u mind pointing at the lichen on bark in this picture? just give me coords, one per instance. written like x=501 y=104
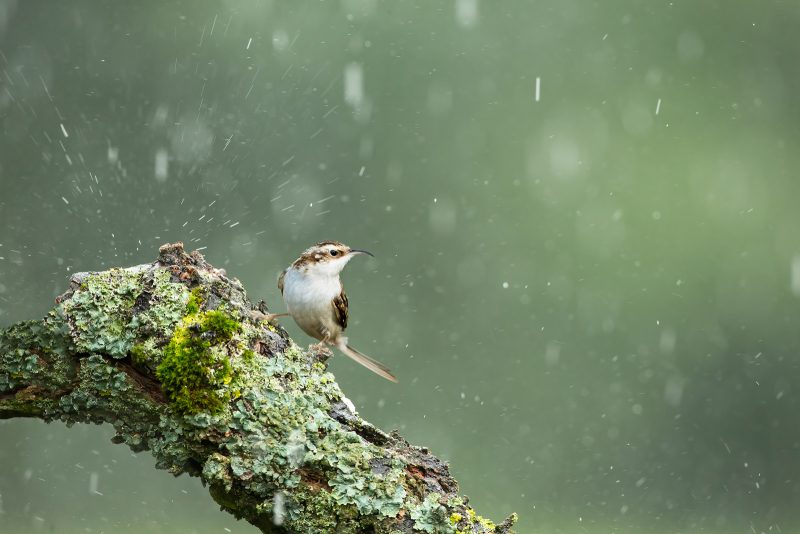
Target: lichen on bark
x=169 y=354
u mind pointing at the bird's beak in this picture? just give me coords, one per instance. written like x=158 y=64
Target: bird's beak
x=359 y=251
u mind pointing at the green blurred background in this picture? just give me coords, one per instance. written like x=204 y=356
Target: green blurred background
x=591 y=298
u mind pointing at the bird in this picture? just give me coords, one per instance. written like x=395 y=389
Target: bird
x=315 y=298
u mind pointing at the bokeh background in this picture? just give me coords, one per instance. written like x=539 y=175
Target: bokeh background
x=584 y=215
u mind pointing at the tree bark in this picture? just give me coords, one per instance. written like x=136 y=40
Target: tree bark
x=172 y=355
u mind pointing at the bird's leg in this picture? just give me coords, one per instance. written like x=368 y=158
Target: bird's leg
x=323 y=343
x=268 y=317
x=321 y=351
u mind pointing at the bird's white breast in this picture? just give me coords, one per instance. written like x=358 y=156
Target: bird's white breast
x=309 y=298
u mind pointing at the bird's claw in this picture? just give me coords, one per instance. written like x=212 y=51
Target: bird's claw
x=257 y=315
x=319 y=347
x=321 y=351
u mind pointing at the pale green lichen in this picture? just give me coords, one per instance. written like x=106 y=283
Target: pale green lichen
x=103 y=393
x=432 y=517
x=285 y=416
x=353 y=480
x=163 y=305
x=147 y=353
x=102 y=311
x=33 y=353
x=318 y=511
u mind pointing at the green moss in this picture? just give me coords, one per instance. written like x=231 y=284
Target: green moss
x=220 y=324
x=195 y=301
x=195 y=370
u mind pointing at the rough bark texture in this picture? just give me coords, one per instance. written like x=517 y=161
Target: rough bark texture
x=169 y=355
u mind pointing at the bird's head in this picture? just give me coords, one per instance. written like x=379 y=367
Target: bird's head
x=327 y=258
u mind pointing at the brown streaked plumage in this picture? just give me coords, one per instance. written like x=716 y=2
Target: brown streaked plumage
x=321 y=252
x=340 y=308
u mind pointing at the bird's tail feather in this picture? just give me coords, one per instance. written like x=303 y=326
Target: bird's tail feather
x=373 y=365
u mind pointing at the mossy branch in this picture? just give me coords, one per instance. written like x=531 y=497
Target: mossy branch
x=169 y=354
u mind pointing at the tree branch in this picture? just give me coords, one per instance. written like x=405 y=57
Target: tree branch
x=169 y=354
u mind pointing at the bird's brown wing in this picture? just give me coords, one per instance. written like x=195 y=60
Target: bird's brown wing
x=280 y=280
x=340 y=306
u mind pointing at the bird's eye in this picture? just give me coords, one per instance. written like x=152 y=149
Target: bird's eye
x=334 y=252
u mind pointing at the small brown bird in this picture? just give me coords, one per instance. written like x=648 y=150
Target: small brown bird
x=315 y=298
